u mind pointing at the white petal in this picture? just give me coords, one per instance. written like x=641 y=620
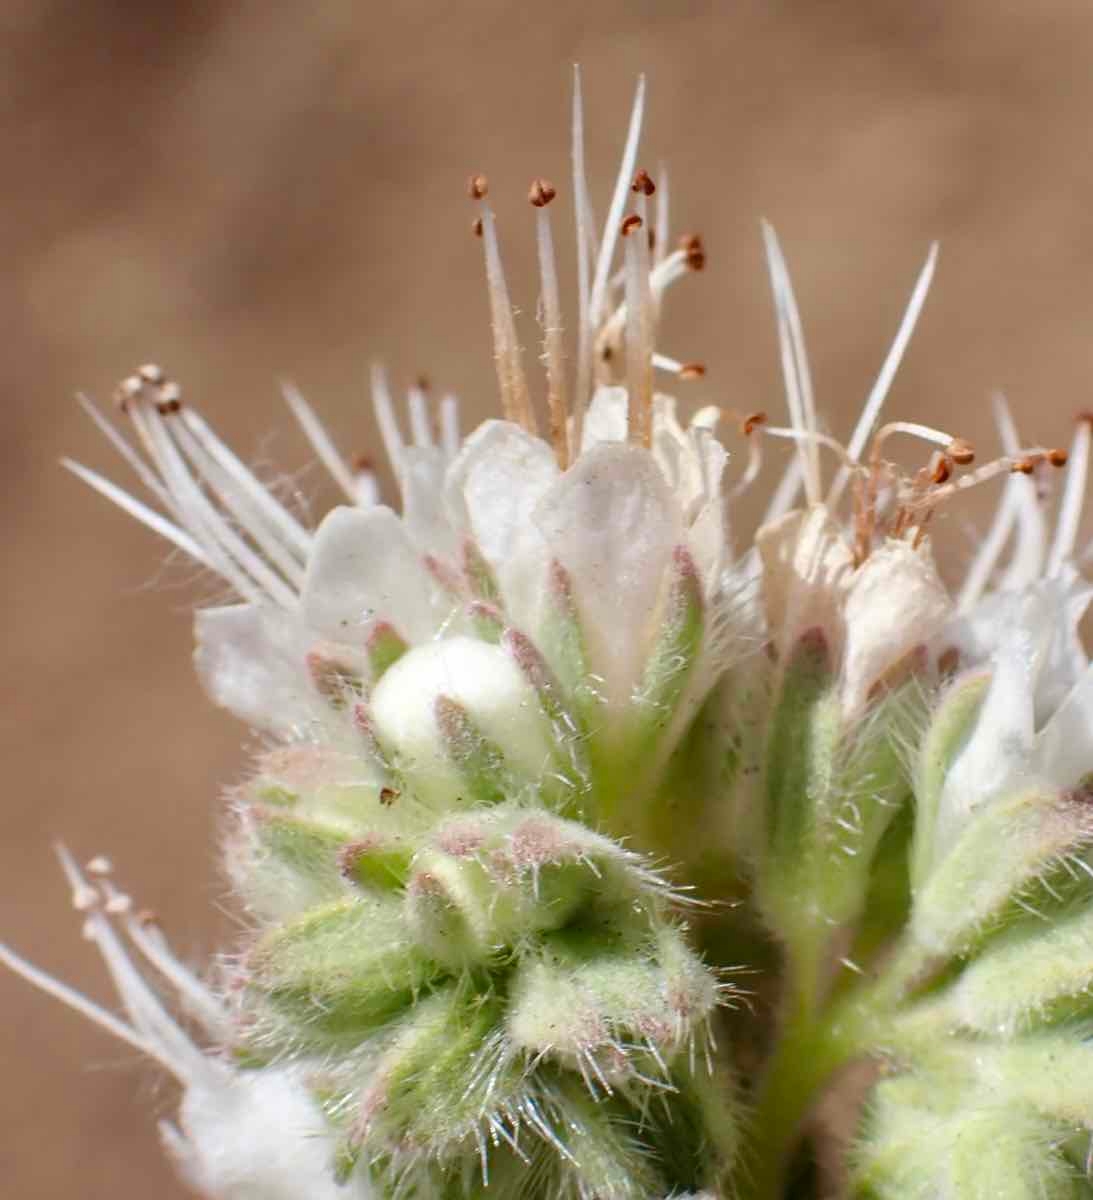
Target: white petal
x=252 y=660
x=259 y=1137
x=363 y=567
x=612 y=522
x=895 y=603
x=999 y=752
x=605 y=420
x=807 y=569
x=495 y=483
x=1064 y=750
x=423 y=509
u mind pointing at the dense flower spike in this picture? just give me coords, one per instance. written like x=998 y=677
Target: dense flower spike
x=554 y=754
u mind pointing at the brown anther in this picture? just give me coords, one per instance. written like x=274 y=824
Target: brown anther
x=630 y=224
x=363 y=465
x=422 y=382
x=477 y=187
x=752 y=422
x=652 y=239
x=943 y=471
x=152 y=373
x=692 y=247
x=476 y=227
x=169 y=399
x=643 y=184
x=948 y=661
x=1057 y=457
x=1023 y=466
x=961 y=452
x=1085 y=415
x=541 y=192
x=147 y=918
x=127 y=391
x=692 y=370
x=607 y=354
x=388 y=795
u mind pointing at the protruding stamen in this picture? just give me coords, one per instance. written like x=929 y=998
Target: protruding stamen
x=684 y=371
x=540 y=195
x=384 y=408
x=795 y=369
x=366 y=484
x=879 y=392
x=319 y=439
x=585 y=251
x=639 y=332
x=417 y=404
x=663 y=224
x=449 y=425
x=612 y=225
x=515 y=400
x=1070 y=506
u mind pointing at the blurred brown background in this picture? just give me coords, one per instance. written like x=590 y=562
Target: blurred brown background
x=250 y=189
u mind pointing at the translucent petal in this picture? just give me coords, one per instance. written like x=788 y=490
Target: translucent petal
x=363 y=567
x=612 y=522
x=251 y=661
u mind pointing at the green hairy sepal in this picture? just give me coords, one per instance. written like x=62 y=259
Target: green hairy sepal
x=460 y=933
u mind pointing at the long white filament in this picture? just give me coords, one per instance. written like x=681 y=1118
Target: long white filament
x=879 y=391
x=1070 y=506
x=795 y=369
x=319 y=439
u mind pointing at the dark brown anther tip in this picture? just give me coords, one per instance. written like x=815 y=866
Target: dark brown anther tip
x=643 y=184
x=478 y=187
x=541 y=192
x=630 y=224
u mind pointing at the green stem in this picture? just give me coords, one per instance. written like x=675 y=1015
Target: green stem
x=813 y=1043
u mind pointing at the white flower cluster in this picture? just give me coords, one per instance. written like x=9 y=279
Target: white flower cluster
x=600 y=558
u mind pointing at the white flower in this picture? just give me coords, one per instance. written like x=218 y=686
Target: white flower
x=240 y=1135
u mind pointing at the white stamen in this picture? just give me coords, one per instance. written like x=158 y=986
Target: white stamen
x=795 y=370
x=143 y=472
x=553 y=346
x=238 y=502
x=785 y=494
x=95 y=1013
x=238 y=558
x=515 y=400
x=584 y=231
x=320 y=440
x=1026 y=563
x=663 y=226
x=990 y=550
x=752 y=468
x=197 y=999
x=879 y=392
x=155 y=521
x=384 y=408
x=278 y=518
x=639 y=335
x=175 y=1050
x=1070 y=506
x=417 y=403
x=449 y=425
x=367 y=488
x=618 y=203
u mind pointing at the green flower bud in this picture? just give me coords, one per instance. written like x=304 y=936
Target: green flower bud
x=339 y=971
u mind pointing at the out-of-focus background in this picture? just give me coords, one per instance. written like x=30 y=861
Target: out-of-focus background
x=248 y=190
